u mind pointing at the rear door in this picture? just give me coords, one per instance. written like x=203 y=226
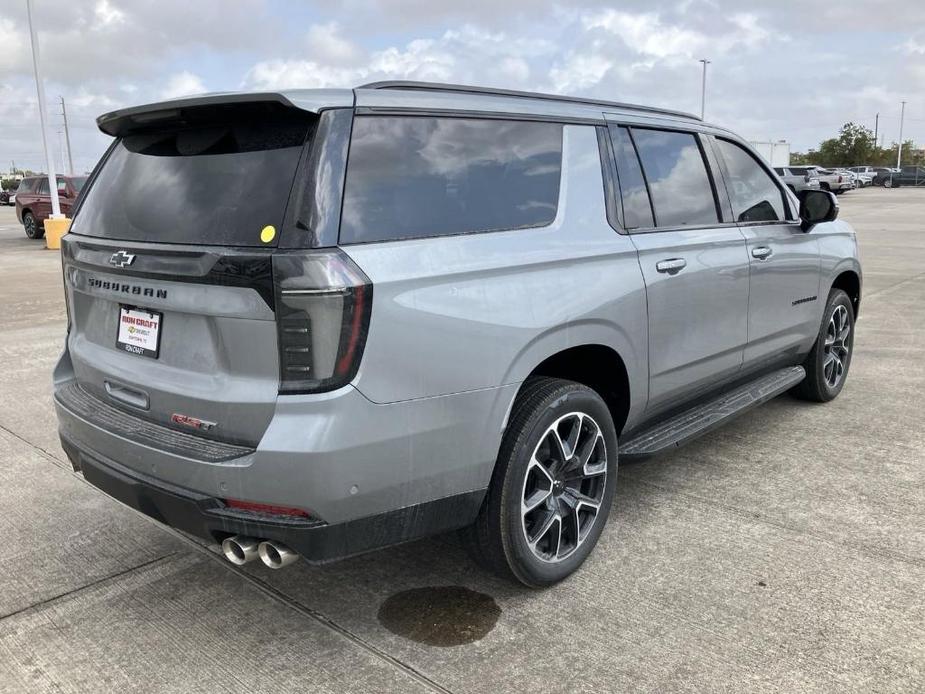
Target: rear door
x=41 y=202
x=694 y=264
x=784 y=302
x=169 y=270
x=65 y=198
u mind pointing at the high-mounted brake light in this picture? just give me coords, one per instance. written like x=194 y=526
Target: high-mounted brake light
x=323 y=302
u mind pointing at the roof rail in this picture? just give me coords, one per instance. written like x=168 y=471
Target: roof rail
x=468 y=89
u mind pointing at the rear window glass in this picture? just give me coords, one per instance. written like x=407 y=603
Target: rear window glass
x=211 y=184
x=677 y=175
x=637 y=210
x=417 y=176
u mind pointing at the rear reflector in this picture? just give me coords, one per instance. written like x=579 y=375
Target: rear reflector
x=267 y=508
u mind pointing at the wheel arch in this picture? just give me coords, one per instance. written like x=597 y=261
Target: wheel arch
x=597 y=366
x=850 y=282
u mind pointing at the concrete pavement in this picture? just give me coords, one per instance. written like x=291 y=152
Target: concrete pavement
x=784 y=552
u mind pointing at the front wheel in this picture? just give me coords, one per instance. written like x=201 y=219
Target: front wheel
x=31 y=226
x=828 y=361
x=553 y=485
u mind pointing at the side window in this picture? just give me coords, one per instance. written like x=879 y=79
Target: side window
x=62 y=187
x=637 y=210
x=25 y=186
x=677 y=175
x=417 y=176
x=754 y=195
x=43 y=187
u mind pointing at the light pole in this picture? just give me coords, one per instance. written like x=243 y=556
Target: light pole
x=899 y=152
x=703 y=88
x=67 y=138
x=40 y=90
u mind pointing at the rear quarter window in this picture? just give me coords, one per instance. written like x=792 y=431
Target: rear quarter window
x=420 y=176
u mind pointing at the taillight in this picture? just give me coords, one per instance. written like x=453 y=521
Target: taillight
x=323 y=302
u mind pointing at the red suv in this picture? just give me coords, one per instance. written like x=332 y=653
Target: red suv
x=33 y=203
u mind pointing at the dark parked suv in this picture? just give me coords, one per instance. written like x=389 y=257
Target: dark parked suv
x=318 y=322
x=33 y=201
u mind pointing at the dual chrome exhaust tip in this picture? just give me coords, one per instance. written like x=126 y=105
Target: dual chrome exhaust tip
x=240 y=549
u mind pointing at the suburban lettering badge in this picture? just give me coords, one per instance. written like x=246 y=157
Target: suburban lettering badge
x=125 y=288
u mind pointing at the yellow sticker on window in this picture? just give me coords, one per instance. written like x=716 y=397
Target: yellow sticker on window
x=268 y=233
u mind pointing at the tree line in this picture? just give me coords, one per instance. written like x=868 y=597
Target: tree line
x=856 y=145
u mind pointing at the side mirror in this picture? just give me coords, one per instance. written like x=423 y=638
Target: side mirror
x=816 y=207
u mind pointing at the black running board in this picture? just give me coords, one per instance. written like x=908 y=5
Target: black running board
x=696 y=421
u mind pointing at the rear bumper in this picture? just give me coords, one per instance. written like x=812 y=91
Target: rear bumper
x=208 y=518
x=369 y=475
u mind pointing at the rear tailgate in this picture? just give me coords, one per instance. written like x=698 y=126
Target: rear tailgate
x=168 y=268
x=214 y=370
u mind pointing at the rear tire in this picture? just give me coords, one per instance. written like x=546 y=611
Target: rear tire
x=553 y=485
x=31 y=226
x=828 y=361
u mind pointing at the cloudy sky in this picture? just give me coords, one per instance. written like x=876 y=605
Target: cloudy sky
x=781 y=70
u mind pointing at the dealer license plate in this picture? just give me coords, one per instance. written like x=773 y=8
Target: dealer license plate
x=139 y=331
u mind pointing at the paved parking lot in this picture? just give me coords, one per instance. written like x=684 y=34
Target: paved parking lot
x=785 y=552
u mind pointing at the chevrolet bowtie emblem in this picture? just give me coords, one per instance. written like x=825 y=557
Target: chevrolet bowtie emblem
x=121 y=259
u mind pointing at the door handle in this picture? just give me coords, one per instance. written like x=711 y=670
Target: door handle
x=672 y=265
x=762 y=252
x=129 y=396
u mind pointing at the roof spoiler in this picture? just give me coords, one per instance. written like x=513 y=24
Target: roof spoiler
x=177 y=111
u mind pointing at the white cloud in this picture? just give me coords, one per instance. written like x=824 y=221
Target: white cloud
x=182 y=84
x=326 y=44
x=772 y=75
x=107 y=15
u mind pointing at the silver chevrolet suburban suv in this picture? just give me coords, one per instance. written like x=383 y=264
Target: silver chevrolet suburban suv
x=316 y=323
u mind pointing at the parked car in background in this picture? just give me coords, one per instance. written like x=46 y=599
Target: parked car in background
x=33 y=201
x=426 y=308
x=859 y=179
x=828 y=179
x=869 y=171
x=8 y=197
x=796 y=180
x=910 y=176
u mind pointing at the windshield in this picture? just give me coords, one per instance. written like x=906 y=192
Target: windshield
x=211 y=184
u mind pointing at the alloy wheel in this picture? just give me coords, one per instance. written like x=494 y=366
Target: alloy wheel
x=837 y=346
x=564 y=487
x=30 y=225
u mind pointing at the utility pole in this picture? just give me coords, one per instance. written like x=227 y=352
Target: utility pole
x=67 y=138
x=40 y=90
x=899 y=153
x=703 y=88
x=876 y=126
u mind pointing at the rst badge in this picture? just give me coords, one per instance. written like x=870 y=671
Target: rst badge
x=191 y=422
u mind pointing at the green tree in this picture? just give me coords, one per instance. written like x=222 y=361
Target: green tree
x=854 y=145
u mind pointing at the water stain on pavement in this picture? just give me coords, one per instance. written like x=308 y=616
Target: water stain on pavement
x=440 y=616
